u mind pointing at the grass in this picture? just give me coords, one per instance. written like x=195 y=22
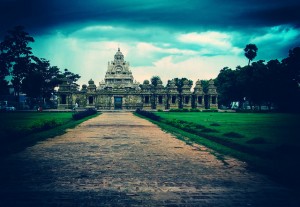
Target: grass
x=19 y=130
x=268 y=142
x=275 y=129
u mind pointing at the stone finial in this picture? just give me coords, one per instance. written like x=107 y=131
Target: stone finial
x=91 y=82
x=212 y=89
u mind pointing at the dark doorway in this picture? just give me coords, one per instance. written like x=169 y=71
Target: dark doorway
x=199 y=99
x=146 y=99
x=213 y=100
x=173 y=99
x=160 y=99
x=63 y=99
x=91 y=100
x=187 y=100
x=207 y=101
x=118 y=102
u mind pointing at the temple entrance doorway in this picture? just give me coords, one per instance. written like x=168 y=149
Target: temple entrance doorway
x=118 y=102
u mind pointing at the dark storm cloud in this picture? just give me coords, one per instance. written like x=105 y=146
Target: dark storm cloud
x=39 y=16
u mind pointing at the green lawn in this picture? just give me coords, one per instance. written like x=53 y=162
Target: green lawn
x=16 y=125
x=275 y=129
x=21 y=129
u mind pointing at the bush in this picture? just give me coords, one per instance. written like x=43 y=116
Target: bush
x=44 y=125
x=233 y=135
x=159 y=110
x=194 y=110
x=207 y=130
x=199 y=126
x=178 y=110
x=210 y=110
x=148 y=114
x=83 y=114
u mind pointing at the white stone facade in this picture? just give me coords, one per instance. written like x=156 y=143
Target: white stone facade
x=118 y=90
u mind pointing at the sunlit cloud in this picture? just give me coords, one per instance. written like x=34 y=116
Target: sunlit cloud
x=216 y=39
x=211 y=42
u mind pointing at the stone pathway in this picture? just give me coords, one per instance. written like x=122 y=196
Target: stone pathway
x=117 y=159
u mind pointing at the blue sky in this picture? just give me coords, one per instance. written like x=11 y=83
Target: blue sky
x=187 y=38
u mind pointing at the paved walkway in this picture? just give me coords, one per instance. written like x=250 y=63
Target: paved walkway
x=117 y=159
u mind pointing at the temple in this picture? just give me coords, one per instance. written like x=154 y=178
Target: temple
x=120 y=91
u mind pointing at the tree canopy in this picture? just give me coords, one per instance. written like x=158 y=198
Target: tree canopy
x=250 y=52
x=273 y=83
x=154 y=80
x=29 y=74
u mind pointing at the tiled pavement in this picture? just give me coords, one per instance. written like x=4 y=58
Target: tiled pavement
x=117 y=159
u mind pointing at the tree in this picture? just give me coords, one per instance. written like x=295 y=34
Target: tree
x=275 y=84
x=179 y=82
x=250 y=52
x=3 y=62
x=3 y=87
x=258 y=89
x=3 y=73
x=41 y=79
x=154 y=80
x=71 y=78
x=290 y=78
x=226 y=83
x=292 y=65
x=16 y=56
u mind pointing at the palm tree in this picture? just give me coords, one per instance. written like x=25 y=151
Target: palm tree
x=250 y=52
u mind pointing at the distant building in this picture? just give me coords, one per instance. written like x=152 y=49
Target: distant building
x=120 y=91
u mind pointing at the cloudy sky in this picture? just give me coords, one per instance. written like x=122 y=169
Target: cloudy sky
x=168 y=38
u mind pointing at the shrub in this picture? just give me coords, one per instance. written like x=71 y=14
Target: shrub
x=83 y=114
x=199 y=126
x=194 y=110
x=148 y=114
x=178 y=110
x=233 y=135
x=159 y=110
x=210 y=110
x=215 y=124
x=207 y=130
x=44 y=125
